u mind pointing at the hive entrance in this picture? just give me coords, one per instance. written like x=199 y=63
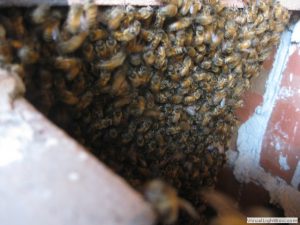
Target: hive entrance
x=150 y=91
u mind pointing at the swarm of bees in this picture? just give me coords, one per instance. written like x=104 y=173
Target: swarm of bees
x=151 y=91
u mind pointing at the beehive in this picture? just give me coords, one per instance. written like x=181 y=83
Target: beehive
x=152 y=90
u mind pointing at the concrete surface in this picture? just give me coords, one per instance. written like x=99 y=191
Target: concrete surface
x=47 y=178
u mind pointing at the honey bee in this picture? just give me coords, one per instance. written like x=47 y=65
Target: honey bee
x=216 y=40
x=137 y=107
x=180 y=24
x=68 y=97
x=238 y=104
x=73 y=43
x=111 y=45
x=149 y=57
x=103 y=123
x=114 y=62
x=200 y=76
x=88 y=52
x=232 y=59
x=199 y=38
x=195 y=8
x=97 y=34
x=206 y=119
x=155 y=84
x=91 y=11
x=119 y=85
x=162 y=97
x=188 y=100
x=222 y=82
x=186 y=66
x=227 y=214
x=28 y=55
x=240 y=19
x=101 y=49
x=219 y=7
x=156 y=40
x=185 y=7
x=122 y=101
x=166 y=202
x=245 y=45
x=169 y=10
x=129 y=33
x=160 y=61
x=103 y=79
x=51 y=30
x=136 y=59
x=117 y=117
x=114 y=17
x=147 y=35
x=144 y=13
x=71 y=65
x=139 y=78
x=85 y=100
x=187 y=82
x=217 y=60
x=191 y=52
x=176 y=115
x=206 y=65
x=135 y=46
x=180 y=38
x=173 y=51
x=40 y=13
x=274 y=39
x=238 y=90
x=5 y=52
x=144 y=126
x=174 y=75
x=130 y=11
x=230 y=29
x=178 y=3
x=159 y=21
x=74 y=18
x=204 y=19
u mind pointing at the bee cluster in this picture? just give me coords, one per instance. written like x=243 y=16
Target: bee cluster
x=150 y=90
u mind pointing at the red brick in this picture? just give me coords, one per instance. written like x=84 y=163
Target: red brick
x=283 y=130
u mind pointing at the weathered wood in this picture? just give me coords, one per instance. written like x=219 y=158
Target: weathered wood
x=289 y=4
x=48 y=178
x=235 y=3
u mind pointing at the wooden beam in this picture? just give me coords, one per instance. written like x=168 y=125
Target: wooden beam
x=233 y=3
x=289 y=4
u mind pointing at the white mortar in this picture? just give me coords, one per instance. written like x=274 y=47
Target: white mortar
x=246 y=163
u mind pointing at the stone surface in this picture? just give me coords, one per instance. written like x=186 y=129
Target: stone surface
x=47 y=178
